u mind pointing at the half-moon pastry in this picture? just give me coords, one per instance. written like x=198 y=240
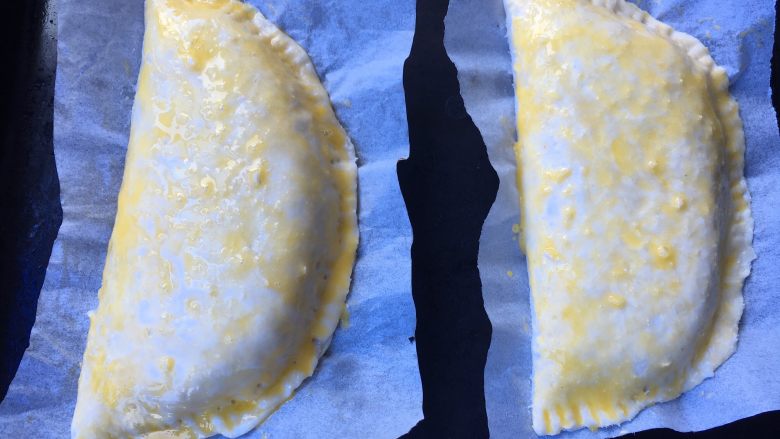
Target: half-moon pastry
x=235 y=235
x=635 y=214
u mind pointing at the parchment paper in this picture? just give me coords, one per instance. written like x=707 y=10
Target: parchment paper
x=739 y=34
x=368 y=384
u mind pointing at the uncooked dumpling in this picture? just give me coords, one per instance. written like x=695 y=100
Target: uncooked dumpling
x=635 y=214
x=235 y=235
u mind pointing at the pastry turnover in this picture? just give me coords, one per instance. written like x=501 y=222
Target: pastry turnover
x=235 y=235
x=635 y=213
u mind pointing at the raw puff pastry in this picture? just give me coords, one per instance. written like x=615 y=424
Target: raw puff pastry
x=635 y=212
x=235 y=234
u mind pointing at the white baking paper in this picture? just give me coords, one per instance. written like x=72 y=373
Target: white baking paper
x=368 y=384
x=739 y=33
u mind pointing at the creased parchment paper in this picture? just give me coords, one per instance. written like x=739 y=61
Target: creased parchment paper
x=368 y=384
x=739 y=34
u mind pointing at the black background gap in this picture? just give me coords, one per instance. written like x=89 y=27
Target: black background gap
x=447 y=184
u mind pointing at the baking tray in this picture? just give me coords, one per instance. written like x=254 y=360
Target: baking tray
x=455 y=335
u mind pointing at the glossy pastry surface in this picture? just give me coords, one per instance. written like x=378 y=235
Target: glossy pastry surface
x=635 y=213
x=235 y=235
